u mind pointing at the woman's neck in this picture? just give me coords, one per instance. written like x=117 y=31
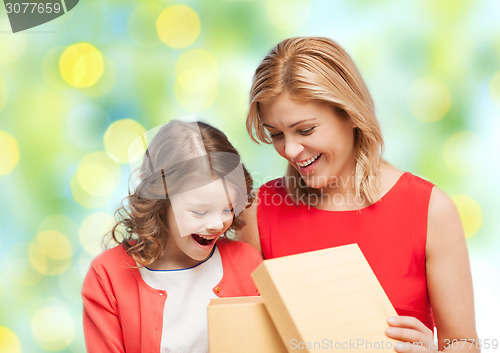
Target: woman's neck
x=340 y=193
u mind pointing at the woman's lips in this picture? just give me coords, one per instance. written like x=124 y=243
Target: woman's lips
x=308 y=165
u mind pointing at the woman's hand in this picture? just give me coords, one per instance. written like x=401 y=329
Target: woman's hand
x=415 y=336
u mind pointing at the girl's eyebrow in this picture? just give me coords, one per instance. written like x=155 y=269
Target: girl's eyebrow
x=291 y=125
x=196 y=203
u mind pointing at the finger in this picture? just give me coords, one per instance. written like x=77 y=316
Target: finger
x=408 y=335
x=408 y=322
x=409 y=347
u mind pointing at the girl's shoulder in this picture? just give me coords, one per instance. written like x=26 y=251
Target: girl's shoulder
x=225 y=244
x=113 y=257
x=238 y=249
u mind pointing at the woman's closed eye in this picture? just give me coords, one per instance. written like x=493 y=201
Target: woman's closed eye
x=303 y=132
x=308 y=131
x=275 y=135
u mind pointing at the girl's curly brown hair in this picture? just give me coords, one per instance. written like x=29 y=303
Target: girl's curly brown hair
x=179 y=151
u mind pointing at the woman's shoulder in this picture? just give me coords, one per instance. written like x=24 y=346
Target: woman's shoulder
x=391 y=176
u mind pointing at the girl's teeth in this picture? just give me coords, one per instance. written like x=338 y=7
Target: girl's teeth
x=309 y=161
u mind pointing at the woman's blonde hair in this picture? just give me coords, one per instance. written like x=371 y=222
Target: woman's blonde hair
x=179 y=151
x=318 y=69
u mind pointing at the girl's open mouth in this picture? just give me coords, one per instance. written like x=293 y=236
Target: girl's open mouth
x=203 y=241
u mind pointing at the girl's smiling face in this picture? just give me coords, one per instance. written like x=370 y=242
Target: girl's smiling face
x=312 y=136
x=196 y=219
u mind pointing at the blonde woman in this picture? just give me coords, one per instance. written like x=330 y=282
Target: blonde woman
x=309 y=100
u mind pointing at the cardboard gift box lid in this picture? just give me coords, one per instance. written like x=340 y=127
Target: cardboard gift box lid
x=241 y=325
x=326 y=300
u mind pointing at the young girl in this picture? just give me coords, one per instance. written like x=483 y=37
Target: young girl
x=150 y=293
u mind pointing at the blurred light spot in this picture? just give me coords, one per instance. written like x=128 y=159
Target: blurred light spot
x=429 y=100
x=448 y=11
x=55 y=245
x=86 y=124
x=136 y=150
x=62 y=223
x=12 y=47
x=10 y=153
x=50 y=68
x=86 y=176
x=106 y=82
x=50 y=253
x=196 y=58
x=142 y=25
x=196 y=81
x=178 y=26
x=94 y=190
x=53 y=328
x=494 y=89
x=470 y=214
x=40 y=117
x=288 y=15
x=93 y=229
x=118 y=137
x=97 y=174
x=17 y=266
x=84 y=261
x=9 y=342
x=70 y=283
x=462 y=153
x=85 y=199
x=3 y=94
x=81 y=65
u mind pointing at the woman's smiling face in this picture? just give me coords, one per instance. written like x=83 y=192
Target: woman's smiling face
x=314 y=139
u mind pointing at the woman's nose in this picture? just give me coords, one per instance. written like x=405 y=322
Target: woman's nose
x=293 y=149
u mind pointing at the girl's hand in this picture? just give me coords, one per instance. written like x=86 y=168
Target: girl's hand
x=415 y=336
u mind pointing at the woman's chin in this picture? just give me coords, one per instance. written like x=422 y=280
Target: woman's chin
x=315 y=182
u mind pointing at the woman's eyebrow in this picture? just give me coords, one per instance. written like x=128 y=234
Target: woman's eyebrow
x=291 y=125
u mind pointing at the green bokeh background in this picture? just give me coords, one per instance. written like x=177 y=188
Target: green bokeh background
x=420 y=59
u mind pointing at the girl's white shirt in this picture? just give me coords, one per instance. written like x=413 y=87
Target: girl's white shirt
x=185 y=325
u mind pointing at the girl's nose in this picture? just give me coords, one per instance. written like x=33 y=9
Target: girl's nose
x=215 y=223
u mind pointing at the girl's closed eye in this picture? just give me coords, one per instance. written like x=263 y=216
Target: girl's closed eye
x=199 y=213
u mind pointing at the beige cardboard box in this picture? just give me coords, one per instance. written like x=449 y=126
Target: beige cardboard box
x=242 y=325
x=325 y=301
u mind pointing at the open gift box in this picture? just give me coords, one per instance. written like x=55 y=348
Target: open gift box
x=320 y=301
x=242 y=325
